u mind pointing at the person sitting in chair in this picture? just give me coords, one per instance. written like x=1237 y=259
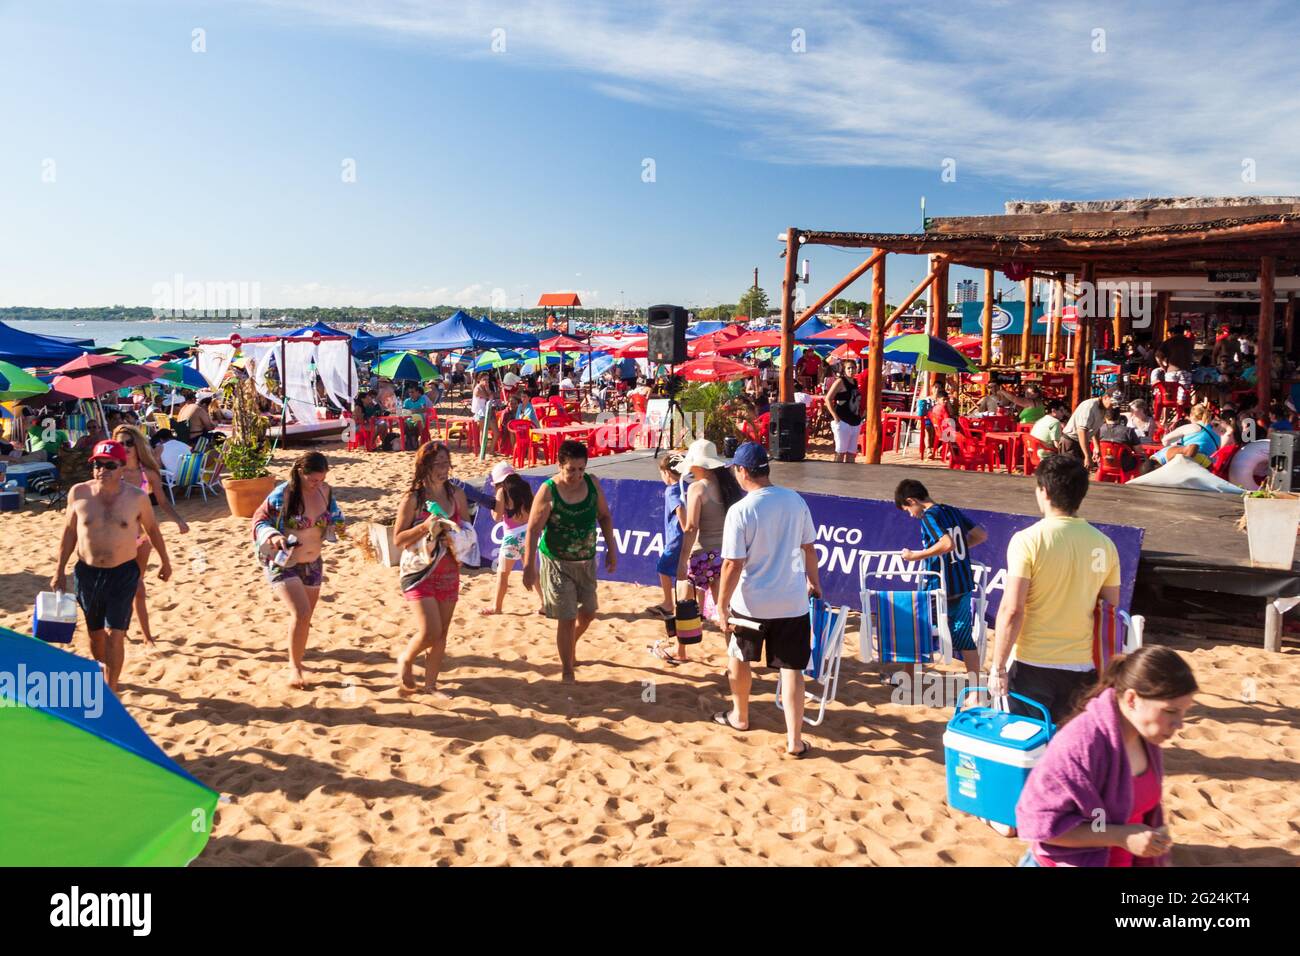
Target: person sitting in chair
x=1115 y=429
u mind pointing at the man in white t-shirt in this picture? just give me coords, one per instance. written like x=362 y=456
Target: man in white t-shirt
x=169 y=451
x=769 y=567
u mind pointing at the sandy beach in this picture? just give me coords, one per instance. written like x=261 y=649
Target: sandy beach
x=622 y=768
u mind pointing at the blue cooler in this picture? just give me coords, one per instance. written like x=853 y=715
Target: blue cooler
x=988 y=754
x=54 y=617
x=11 y=499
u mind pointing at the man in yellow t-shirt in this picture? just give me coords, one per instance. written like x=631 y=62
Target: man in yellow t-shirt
x=1056 y=571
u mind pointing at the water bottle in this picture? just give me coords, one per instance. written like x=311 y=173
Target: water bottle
x=284 y=554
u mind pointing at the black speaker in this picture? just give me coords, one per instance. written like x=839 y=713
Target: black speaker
x=788 y=431
x=666 y=340
x=1284 y=461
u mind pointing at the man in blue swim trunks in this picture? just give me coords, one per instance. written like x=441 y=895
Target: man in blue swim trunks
x=947 y=536
x=105 y=516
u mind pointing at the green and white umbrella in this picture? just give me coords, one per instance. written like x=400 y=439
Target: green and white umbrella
x=142 y=349
x=927 y=353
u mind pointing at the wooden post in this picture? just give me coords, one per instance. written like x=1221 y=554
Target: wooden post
x=1264 y=351
x=875 y=366
x=1084 y=317
x=1288 y=323
x=939 y=295
x=1117 y=325
x=1056 y=353
x=1272 y=627
x=1160 y=321
x=932 y=266
x=986 y=333
x=786 y=391
x=1028 y=329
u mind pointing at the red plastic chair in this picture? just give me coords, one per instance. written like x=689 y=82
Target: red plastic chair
x=1222 y=461
x=967 y=454
x=526 y=443
x=639 y=403
x=1035 y=451
x=363 y=437
x=1110 y=463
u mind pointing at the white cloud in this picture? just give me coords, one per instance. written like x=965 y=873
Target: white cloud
x=1013 y=92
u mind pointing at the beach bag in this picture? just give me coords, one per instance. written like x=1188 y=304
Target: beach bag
x=381 y=539
x=687 y=623
x=54 y=617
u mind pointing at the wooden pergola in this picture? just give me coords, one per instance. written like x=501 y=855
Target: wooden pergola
x=1079 y=246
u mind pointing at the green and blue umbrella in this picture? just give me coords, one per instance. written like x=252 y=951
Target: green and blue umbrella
x=495 y=358
x=83 y=784
x=182 y=375
x=142 y=349
x=15 y=384
x=927 y=353
x=407 y=367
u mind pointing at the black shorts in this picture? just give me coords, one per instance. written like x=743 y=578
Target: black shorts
x=788 y=640
x=105 y=594
x=1055 y=689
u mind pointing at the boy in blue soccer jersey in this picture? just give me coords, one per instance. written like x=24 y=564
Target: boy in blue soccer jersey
x=948 y=535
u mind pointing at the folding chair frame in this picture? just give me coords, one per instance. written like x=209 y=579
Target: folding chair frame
x=828 y=673
x=869 y=637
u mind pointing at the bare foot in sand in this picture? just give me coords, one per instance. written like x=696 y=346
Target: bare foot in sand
x=568 y=678
x=488 y=611
x=298 y=678
x=405 y=678
x=438 y=696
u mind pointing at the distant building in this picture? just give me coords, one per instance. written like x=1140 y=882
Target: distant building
x=968 y=290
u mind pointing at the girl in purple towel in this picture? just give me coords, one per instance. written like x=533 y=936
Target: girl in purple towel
x=1094 y=798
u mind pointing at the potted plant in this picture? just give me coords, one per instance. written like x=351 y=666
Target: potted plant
x=246 y=454
x=712 y=412
x=1272 y=519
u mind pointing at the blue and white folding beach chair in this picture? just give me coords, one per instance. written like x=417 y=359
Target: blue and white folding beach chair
x=903 y=626
x=828 y=624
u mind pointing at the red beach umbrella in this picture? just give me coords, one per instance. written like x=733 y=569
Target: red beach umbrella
x=850 y=350
x=561 y=343
x=637 y=347
x=750 y=341
x=85 y=362
x=848 y=332
x=713 y=368
x=99 y=380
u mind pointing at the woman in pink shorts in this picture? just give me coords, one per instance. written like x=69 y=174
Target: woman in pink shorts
x=434 y=597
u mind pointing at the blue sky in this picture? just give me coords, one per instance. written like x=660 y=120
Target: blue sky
x=482 y=173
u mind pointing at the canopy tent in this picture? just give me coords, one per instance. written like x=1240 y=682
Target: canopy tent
x=86 y=786
x=364 y=345
x=28 y=350
x=300 y=360
x=804 y=334
x=459 y=331
x=317 y=328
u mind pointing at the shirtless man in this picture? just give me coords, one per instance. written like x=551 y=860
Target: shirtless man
x=104 y=517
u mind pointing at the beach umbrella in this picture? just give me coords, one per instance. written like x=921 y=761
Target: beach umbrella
x=407 y=367
x=85 y=362
x=140 y=348
x=560 y=343
x=748 y=342
x=496 y=358
x=850 y=350
x=634 y=347
x=714 y=369
x=457 y=358
x=101 y=379
x=967 y=344
x=16 y=384
x=848 y=332
x=85 y=785
x=927 y=353
x=182 y=375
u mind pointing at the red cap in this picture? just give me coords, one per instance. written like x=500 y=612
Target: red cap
x=111 y=450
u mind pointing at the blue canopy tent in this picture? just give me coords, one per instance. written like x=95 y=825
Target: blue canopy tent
x=315 y=327
x=459 y=331
x=364 y=345
x=27 y=349
x=810 y=328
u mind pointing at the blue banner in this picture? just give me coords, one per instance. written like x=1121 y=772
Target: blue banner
x=1008 y=318
x=846 y=527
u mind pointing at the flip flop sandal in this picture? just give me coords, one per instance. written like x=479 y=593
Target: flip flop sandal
x=723 y=717
x=656 y=610
x=658 y=650
x=800 y=754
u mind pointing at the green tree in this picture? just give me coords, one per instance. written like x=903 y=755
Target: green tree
x=753 y=302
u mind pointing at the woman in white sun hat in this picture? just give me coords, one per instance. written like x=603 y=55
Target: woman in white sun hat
x=713 y=491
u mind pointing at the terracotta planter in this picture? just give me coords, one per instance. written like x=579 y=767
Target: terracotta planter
x=243 y=495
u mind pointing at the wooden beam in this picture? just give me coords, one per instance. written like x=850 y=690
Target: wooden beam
x=1080 y=383
x=1160 y=321
x=786 y=390
x=875 y=366
x=907 y=302
x=1289 y=323
x=1264 y=351
x=986 y=333
x=939 y=296
x=839 y=287
x=1086 y=221
x=1055 y=353
x=1027 y=332
x=1117 y=322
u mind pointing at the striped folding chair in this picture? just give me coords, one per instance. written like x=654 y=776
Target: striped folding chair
x=1114 y=632
x=189 y=471
x=902 y=626
x=828 y=625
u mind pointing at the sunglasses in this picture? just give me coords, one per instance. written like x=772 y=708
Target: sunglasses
x=128 y=442
x=104 y=465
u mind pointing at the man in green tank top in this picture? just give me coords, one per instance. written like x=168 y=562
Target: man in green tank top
x=564 y=517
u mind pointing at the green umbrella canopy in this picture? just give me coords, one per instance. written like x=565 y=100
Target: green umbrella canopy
x=927 y=353
x=15 y=384
x=140 y=348
x=407 y=367
x=83 y=784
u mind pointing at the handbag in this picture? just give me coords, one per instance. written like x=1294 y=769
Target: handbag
x=688 y=625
